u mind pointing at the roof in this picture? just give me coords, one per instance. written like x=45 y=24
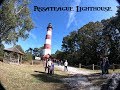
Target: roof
x=14 y=49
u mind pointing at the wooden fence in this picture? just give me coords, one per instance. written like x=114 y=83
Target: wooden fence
x=96 y=67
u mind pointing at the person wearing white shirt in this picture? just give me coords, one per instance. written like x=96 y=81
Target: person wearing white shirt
x=65 y=65
x=49 y=63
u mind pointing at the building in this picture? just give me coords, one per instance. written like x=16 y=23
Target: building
x=13 y=55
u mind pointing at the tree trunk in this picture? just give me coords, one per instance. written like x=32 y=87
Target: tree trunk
x=0 y=42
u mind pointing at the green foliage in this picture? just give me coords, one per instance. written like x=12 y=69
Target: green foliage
x=93 y=40
x=15 y=21
x=28 y=57
x=112 y=37
x=38 y=51
x=31 y=53
x=28 y=54
x=60 y=55
x=81 y=46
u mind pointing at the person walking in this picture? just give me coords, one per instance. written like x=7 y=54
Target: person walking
x=65 y=65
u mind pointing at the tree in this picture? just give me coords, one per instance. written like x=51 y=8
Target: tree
x=88 y=42
x=81 y=46
x=59 y=55
x=111 y=37
x=15 y=21
x=28 y=54
x=93 y=40
x=1 y=50
x=38 y=51
x=118 y=1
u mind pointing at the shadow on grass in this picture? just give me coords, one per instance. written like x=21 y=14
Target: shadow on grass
x=54 y=78
x=42 y=76
x=1 y=87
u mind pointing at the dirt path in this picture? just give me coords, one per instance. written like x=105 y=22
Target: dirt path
x=73 y=70
x=81 y=79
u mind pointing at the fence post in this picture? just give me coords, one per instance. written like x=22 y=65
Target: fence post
x=80 y=65
x=113 y=67
x=93 y=66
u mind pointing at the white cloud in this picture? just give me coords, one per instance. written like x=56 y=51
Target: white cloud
x=72 y=14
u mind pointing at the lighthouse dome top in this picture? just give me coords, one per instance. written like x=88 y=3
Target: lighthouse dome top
x=49 y=25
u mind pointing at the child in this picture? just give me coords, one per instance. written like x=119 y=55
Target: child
x=52 y=68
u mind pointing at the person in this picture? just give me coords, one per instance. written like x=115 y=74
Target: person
x=102 y=65
x=49 y=63
x=61 y=62
x=65 y=65
x=52 y=68
x=107 y=65
x=58 y=62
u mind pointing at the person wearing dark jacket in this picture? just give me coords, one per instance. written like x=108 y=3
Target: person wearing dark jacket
x=102 y=65
x=107 y=65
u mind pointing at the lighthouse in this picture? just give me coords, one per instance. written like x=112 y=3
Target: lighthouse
x=47 y=45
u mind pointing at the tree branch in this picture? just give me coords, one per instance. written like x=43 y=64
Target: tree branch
x=20 y=9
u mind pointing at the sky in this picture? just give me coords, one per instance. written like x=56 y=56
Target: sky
x=63 y=22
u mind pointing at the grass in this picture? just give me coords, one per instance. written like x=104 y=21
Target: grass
x=29 y=77
x=32 y=77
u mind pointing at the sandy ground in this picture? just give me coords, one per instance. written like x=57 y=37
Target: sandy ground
x=73 y=70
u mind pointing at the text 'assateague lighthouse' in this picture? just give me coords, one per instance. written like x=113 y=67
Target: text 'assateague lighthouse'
x=47 y=45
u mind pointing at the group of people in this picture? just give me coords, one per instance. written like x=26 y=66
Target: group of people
x=49 y=66
x=104 y=64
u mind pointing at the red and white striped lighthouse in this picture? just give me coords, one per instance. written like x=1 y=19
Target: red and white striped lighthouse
x=47 y=45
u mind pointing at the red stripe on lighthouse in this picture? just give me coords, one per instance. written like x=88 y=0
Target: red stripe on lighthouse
x=47 y=46
x=48 y=37
x=49 y=29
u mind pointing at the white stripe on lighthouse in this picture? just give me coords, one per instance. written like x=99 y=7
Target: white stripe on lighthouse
x=47 y=51
x=48 y=41
x=49 y=32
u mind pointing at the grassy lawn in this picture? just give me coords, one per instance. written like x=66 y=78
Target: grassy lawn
x=32 y=77
x=29 y=77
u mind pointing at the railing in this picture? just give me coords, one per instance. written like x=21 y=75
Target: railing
x=96 y=67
